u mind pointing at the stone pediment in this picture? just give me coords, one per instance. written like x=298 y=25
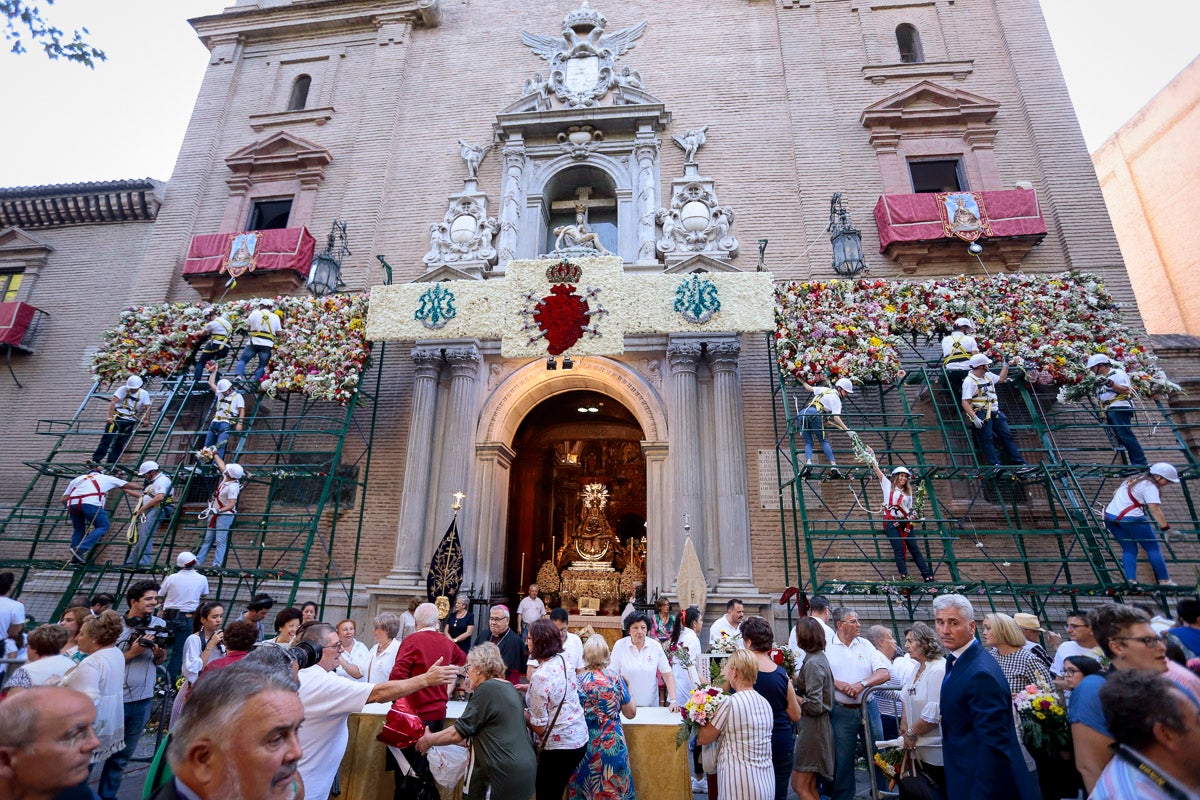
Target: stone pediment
x=279 y=151
x=700 y=263
x=17 y=242
x=928 y=103
x=445 y=273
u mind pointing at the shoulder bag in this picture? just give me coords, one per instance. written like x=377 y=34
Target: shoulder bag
x=545 y=737
x=915 y=784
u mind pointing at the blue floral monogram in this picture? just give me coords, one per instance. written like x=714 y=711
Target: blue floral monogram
x=437 y=307
x=696 y=299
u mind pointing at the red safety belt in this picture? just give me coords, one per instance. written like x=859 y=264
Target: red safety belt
x=892 y=506
x=76 y=501
x=1133 y=500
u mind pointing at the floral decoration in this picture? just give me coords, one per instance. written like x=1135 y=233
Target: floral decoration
x=321 y=350
x=1049 y=324
x=697 y=299
x=1044 y=725
x=699 y=709
x=889 y=760
x=721 y=649
x=784 y=657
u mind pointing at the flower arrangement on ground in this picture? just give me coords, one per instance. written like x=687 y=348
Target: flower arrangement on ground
x=1049 y=324
x=321 y=351
x=1044 y=724
x=700 y=707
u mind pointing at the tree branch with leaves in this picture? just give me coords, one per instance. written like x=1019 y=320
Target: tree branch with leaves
x=24 y=25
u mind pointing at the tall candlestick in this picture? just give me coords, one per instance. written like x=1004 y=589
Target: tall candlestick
x=521 y=579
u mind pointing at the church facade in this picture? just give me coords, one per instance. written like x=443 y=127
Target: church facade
x=699 y=138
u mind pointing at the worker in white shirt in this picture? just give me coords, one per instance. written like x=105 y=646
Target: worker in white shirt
x=154 y=507
x=217 y=330
x=130 y=407
x=729 y=625
x=982 y=407
x=264 y=328
x=1114 y=394
x=826 y=404
x=229 y=413
x=221 y=511
x=957 y=349
x=84 y=498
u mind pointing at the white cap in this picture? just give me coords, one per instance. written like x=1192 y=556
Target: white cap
x=979 y=360
x=133 y=382
x=901 y=471
x=1096 y=359
x=208 y=310
x=1164 y=470
x=148 y=466
x=963 y=322
x=185 y=559
x=224 y=386
x=235 y=471
x=845 y=385
x=266 y=302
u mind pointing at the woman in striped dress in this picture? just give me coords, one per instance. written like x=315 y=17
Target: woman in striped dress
x=743 y=724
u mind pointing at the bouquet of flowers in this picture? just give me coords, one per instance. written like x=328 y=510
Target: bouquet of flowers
x=863 y=454
x=699 y=709
x=722 y=648
x=920 y=498
x=784 y=657
x=889 y=760
x=1044 y=725
x=679 y=655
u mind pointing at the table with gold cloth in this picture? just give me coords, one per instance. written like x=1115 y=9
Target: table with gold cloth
x=660 y=771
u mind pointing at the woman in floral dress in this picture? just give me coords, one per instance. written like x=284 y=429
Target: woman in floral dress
x=603 y=774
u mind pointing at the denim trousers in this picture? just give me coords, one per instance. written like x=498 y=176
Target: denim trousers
x=137 y=714
x=218 y=532
x=204 y=356
x=812 y=426
x=1121 y=421
x=81 y=517
x=899 y=543
x=218 y=434
x=995 y=428
x=1129 y=533
x=250 y=351
x=142 y=553
x=113 y=442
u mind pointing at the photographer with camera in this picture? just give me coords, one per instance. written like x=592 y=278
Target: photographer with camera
x=143 y=642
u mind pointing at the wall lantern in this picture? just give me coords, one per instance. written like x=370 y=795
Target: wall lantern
x=325 y=273
x=845 y=239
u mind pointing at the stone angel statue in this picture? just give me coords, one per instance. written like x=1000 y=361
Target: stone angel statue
x=473 y=156
x=691 y=142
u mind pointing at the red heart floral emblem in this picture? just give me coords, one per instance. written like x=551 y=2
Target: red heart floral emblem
x=562 y=316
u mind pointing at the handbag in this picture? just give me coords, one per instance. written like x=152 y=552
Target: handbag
x=545 y=737
x=401 y=728
x=916 y=784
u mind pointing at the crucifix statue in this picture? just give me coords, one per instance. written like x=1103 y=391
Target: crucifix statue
x=579 y=234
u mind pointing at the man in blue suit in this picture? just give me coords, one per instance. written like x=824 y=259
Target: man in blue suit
x=979 y=738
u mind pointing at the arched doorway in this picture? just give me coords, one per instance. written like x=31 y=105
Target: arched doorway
x=569 y=441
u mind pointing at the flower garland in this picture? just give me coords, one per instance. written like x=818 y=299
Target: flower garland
x=321 y=351
x=1048 y=323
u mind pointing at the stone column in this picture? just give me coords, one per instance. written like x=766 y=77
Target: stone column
x=660 y=530
x=733 y=514
x=485 y=544
x=458 y=437
x=406 y=567
x=683 y=354
x=645 y=154
x=511 y=201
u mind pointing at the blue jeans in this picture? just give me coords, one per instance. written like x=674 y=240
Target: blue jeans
x=137 y=714
x=81 y=517
x=997 y=428
x=219 y=532
x=182 y=627
x=206 y=355
x=142 y=553
x=218 y=434
x=1121 y=420
x=898 y=543
x=1130 y=532
x=116 y=436
x=847 y=727
x=250 y=351
x=812 y=425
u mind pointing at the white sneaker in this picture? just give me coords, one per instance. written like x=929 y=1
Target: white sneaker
x=699 y=786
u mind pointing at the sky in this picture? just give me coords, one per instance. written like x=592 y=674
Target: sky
x=127 y=118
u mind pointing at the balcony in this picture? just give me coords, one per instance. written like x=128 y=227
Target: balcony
x=19 y=326
x=916 y=230
x=263 y=263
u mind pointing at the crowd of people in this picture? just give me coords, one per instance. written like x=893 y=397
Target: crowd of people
x=544 y=710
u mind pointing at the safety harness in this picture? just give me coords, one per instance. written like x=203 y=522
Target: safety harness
x=75 y=501
x=214 y=505
x=224 y=412
x=127 y=408
x=1107 y=397
x=256 y=329
x=957 y=353
x=218 y=340
x=1134 y=505
x=985 y=398
x=894 y=512
x=819 y=422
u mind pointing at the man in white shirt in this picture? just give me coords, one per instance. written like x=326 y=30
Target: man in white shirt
x=85 y=498
x=572 y=644
x=130 y=407
x=818 y=609
x=217 y=331
x=329 y=700
x=530 y=609
x=729 y=625
x=957 y=349
x=1080 y=642
x=1114 y=396
x=856 y=666
x=982 y=409
x=181 y=593
x=901 y=666
x=155 y=505
x=264 y=327
x=230 y=411
x=12 y=612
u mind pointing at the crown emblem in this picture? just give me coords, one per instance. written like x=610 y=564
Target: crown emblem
x=584 y=18
x=564 y=272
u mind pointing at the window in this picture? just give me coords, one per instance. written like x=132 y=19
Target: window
x=941 y=175
x=909 y=41
x=299 y=96
x=269 y=214
x=10 y=284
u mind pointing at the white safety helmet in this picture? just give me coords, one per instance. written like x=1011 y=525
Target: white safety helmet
x=208 y=310
x=979 y=360
x=963 y=322
x=224 y=385
x=845 y=385
x=267 y=302
x=1164 y=470
x=235 y=471
x=148 y=467
x=1096 y=359
x=133 y=382
x=901 y=471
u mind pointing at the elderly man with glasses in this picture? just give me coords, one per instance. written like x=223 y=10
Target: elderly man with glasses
x=512 y=647
x=329 y=700
x=46 y=744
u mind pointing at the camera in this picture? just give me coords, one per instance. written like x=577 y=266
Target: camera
x=148 y=636
x=305 y=654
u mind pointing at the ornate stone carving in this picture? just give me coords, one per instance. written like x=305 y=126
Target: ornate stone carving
x=691 y=142
x=696 y=222
x=583 y=59
x=579 y=140
x=465 y=233
x=723 y=356
x=652 y=369
x=473 y=156
x=683 y=356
